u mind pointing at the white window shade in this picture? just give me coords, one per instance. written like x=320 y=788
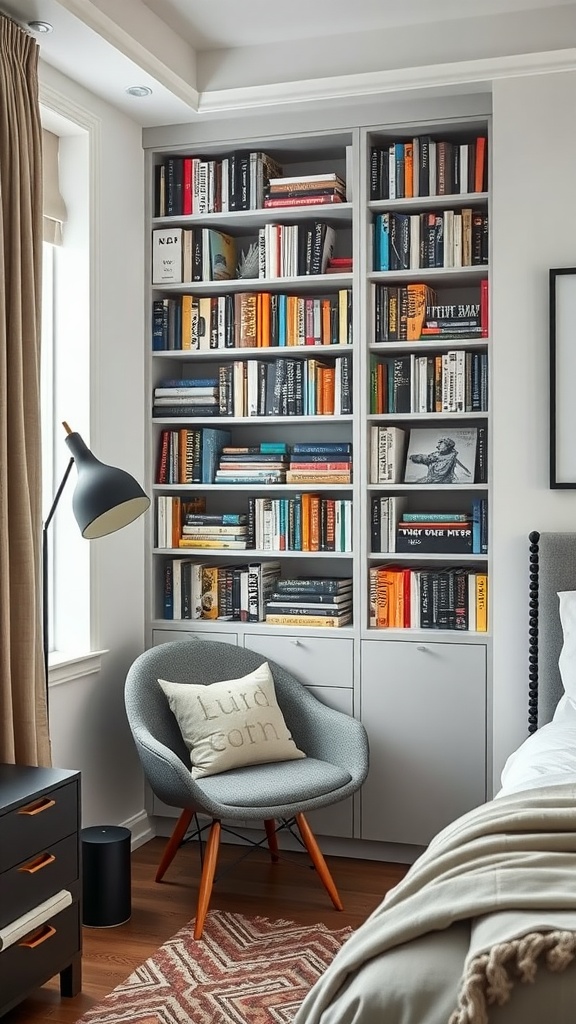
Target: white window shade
x=54 y=208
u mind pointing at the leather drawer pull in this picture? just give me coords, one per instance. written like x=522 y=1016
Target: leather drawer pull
x=37 y=807
x=36 y=938
x=38 y=863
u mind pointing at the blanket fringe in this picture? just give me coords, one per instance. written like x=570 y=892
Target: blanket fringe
x=491 y=976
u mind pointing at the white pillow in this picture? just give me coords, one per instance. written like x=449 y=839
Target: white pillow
x=232 y=723
x=567 y=659
x=546 y=757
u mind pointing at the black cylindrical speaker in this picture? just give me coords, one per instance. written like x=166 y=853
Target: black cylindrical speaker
x=106 y=878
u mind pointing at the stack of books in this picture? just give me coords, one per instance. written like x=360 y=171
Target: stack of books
x=325 y=462
x=339 y=265
x=305 y=190
x=228 y=531
x=256 y=464
x=186 y=397
x=317 y=601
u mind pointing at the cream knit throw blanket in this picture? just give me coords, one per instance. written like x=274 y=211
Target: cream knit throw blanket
x=508 y=866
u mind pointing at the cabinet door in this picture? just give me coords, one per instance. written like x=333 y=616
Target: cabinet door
x=163 y=636
x=325 y=666
x=316 y=661
x=424 y=708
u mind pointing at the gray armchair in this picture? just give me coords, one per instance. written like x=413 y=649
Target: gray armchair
x=335 y=766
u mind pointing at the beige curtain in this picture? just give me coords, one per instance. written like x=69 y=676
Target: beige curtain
x=23 y=716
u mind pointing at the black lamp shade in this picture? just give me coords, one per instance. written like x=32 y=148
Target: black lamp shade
x=105 y=499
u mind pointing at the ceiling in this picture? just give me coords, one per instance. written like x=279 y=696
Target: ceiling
x=203 y=58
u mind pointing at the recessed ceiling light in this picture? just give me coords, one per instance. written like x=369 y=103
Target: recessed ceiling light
x=40 y=26
x=139 y=90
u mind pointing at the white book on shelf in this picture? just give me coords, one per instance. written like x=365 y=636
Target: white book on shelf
x=395 y=509
x=167 y=256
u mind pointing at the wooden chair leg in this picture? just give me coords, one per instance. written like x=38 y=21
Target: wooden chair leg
x=207 y=880
x=270 y=826
x=318 y=860
x=173 y=844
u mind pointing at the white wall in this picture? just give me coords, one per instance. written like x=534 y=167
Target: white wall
x=88 y=726
x=533 y=229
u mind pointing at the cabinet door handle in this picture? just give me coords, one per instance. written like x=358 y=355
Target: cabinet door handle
x=36 y=938
x=295 y=642
x=38 y=863
x=421 y=647
x=37 y=807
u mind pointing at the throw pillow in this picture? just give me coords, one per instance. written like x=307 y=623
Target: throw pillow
x=231 y=724
x=567 y=659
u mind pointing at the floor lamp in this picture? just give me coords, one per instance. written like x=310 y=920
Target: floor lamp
x=105 y=500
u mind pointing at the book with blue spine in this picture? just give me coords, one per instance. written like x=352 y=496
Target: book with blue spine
x=322 y=448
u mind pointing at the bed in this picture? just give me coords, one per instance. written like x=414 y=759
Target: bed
x=482 y=930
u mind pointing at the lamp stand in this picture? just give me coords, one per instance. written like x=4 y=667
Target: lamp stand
x=45 y=616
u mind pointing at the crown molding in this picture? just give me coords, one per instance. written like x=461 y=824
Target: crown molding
x=473 y=72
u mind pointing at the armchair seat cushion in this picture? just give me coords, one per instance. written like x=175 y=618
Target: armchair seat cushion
x=275 y=783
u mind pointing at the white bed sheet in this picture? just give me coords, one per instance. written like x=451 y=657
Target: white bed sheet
x=546 y=758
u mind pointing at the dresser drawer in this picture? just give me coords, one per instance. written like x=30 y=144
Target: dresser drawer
x=38 y=824
x=316 y=661
x=49 y=949
x=25 y=885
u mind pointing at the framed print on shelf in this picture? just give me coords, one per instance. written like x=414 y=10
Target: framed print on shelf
x=563 y=377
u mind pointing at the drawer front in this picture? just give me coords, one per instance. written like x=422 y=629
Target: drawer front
x=313 y=660
x=164 y=636
x=38 y=824
x=50 y=949
x=29 y=883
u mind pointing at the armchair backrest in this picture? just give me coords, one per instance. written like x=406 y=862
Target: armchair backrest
x=204 y=662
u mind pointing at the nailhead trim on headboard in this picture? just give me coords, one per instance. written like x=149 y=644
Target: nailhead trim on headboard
x=534 y=538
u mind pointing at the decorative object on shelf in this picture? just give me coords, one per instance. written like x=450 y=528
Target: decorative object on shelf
x=562 y=367
x=248 y=262
x=105 y=500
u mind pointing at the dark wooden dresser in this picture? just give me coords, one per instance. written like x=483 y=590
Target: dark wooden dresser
x=40 y=881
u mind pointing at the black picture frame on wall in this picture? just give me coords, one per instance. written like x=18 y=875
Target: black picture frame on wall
x=563 y=378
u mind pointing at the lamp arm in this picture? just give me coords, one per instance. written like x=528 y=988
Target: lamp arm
x=47 y=522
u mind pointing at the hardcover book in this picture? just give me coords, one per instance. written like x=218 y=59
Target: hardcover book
x=442 y=455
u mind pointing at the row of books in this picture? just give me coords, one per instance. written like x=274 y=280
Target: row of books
x=305 y=190
x=428 y=455
x=392 y=529
x=189 y=456
x=193 y=455
x=251 y=320
x=294 y=250
x=279 y=387
x=199 y=590
x=425 y=166
x=318 y=602
x=184 y=255
x=433 y=239
x=453 y=381
x=196 y=185
x=413 y=312
x=421 y=598
x=306 y=522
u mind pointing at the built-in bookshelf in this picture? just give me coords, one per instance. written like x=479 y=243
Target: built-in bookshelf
x=327 y=417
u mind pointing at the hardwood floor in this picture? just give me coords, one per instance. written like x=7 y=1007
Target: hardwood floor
x=289 y=890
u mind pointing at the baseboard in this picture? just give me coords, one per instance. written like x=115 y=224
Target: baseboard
x=360 y=849
x=141 y=828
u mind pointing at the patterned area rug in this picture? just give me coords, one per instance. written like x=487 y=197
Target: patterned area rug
x=246 y=970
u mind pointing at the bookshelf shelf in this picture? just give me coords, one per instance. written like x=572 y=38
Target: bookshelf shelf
x=302 y=284
x=416 y=203
x=272 y=352
x=248 y=221
x=417 y=417
x=238 y=488
x=434 y=275
x=429 y=345
x=250 y=554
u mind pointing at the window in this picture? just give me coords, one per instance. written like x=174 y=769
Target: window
x=65 y=366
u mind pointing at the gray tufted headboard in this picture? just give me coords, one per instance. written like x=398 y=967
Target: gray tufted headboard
x=552 y=569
